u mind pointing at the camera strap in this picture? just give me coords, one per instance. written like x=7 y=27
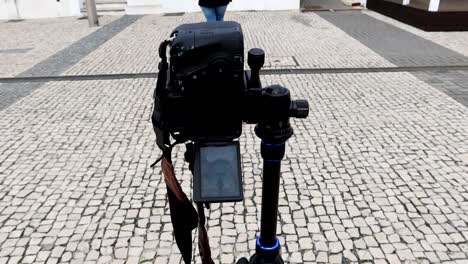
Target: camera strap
x=184 y=217
x=203 y=241
x=163 y=67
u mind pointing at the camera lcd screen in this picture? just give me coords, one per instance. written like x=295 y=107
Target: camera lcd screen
x=217 y=173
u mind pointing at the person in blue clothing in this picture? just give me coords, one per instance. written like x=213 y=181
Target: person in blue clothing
x=214 y=10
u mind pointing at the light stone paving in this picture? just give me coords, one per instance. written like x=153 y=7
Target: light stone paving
x=26 y=43
x=290 y=40
x=134 y=50
x=376 y=174
x=456 y=41
x=394 y=44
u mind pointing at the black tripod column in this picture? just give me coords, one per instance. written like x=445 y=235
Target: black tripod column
x=272 y=149
x=268 y=246
x=274 y=130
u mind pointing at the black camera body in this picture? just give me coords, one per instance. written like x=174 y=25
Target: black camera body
x=203 y=96
x=206 y=94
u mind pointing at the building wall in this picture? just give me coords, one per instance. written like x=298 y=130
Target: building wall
x=236 y=5
x=173 y=6
x=453 y=5
x=54 y=8
x=38 y=8
x=435 y=5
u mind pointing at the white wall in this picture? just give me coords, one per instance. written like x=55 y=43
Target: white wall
x=265 y=5
x=52 y=8
x=237 y=5
x=434 y=5
x=7 y=9
x=174 y=6
x=38 y=8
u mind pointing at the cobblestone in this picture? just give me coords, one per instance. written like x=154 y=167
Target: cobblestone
x=452 y=83
x=56 y=63
x=455 y=41
x=29 y=42
x=135 y=49
x=376 y=173
x=405 y=49
x=430 y=116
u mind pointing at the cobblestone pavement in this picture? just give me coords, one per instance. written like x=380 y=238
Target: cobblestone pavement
x=410 y=47
x=399 y=46
x=62 y=60
x=312 y=42
x=452 y=83
x=317 y=43
x=26 y=43
x=376 y=174
x=455 y=41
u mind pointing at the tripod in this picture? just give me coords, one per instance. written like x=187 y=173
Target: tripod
x=274 y=129
x=274 y=134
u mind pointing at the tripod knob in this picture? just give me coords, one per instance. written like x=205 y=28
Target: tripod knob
x=299 y=108
x=256 y=59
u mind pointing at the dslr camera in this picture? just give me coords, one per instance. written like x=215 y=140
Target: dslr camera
x=204 y=95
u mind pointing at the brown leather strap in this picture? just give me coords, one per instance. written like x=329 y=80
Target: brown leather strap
x=184 y=217
x=171 y=181
x=203 y=241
